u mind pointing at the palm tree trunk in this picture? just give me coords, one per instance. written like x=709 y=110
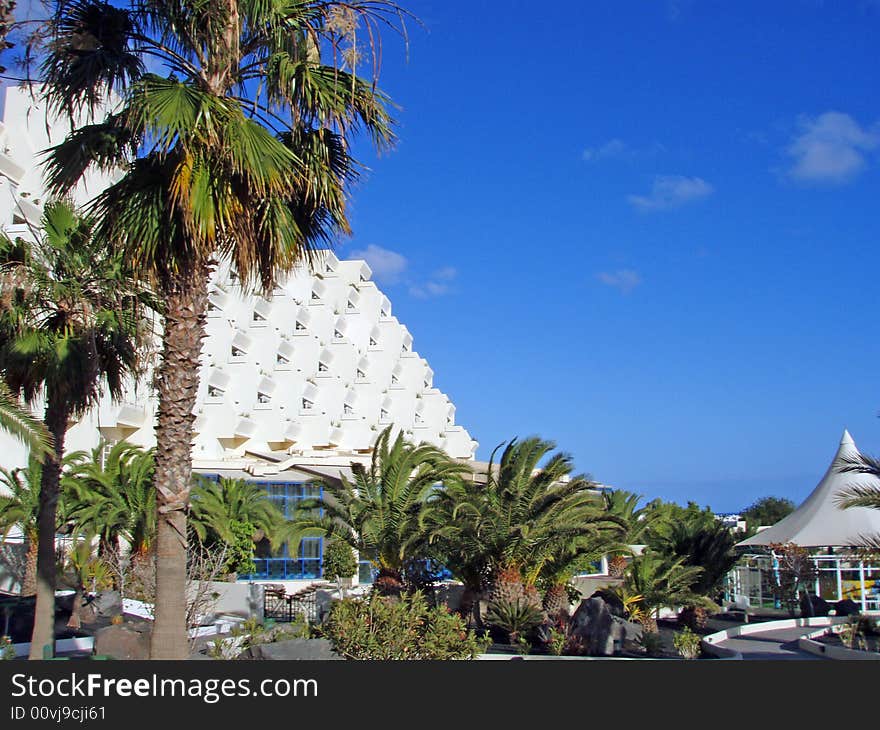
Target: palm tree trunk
x=29 y=582
x=184 y=328
x=57 y=415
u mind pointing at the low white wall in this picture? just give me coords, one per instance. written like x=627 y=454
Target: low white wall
x=710 y=641
x=828 y=651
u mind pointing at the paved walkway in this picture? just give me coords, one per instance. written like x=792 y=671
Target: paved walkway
x=780 y=644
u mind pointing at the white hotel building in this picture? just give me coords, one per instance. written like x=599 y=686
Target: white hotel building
x=295 y=385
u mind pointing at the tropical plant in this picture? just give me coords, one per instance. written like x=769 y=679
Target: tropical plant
x=705 y=543
x=19 y=508
x=80 y=568
x=862 y=495
x=379 y=512
x=217 y=506
x=233 y=131
x=687 y=643
x=661 y=582
x=524 y=519
x=110 y=494
x=70 y=320
x=17 y=422
x=516 y=616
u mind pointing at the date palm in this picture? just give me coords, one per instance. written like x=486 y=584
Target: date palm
x=379 y=512
x=232 y=129
x=217 y=505
x=112 y=497
x=18 y=509
x=862 y=495
x=515 y=521
x=70 y=321
x=17 y=422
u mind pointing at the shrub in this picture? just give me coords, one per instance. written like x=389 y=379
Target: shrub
x=517 y=617
x=339 y=560
x=407 y=628
x=687 y=643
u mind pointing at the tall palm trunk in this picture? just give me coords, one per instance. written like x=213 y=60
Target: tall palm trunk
x=57 y=416
x=29 y=582
x=184 y=328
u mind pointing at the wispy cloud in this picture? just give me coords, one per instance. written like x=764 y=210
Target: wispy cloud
x=612 y=149
x=387 y=266
x=624 y=280
x=437 y=285
x=671 y=191
x=830 y=149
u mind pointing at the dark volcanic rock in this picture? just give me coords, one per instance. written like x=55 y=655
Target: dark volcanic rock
x=125 y=641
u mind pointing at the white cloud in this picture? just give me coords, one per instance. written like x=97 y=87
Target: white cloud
x=624 y=280
x=387 y=265
x=830 y=149
x=671 y=191
x=611 y=149
x=437 y=285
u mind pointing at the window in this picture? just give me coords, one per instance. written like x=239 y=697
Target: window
x=307 y=405
x=350 y=305
x=419 y=418
x=263 y=398
x=300 y=327
x=238 y=352
x=383 y=415
x=259 y=317
x=214 y=392
x=337 y=335
x=316 y=297
x=281 y=360
x=383 y=313
x=322 y=367
x=394 y=379
x=373 y=342
x=105 y=452
x=284 y=563
x=361 y=373
x=347 y=409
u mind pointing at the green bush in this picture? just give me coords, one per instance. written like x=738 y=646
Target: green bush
x=687 y=643
x=339 y=560
x=406 y=628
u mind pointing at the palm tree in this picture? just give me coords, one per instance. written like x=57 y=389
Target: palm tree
x=862 y=495
x=380 y=513
x=238 y=150
x=69 y=320
x=661 y=582
x=110 y=495
x=16 y=421
x=217 y=506
x=19 y=509
x=515 y=523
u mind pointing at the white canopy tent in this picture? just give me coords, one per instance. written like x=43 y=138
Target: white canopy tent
x=819 y=522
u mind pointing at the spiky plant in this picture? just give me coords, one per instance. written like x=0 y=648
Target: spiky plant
x=379 y=513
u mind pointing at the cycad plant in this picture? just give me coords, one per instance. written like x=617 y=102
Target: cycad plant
x=70 y=321
x=232 y=129
x=379 y=512
x=661 y=582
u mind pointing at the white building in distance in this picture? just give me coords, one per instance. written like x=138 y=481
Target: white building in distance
x=295 y=385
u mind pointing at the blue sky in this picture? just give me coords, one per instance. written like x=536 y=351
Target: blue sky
x=646 y=231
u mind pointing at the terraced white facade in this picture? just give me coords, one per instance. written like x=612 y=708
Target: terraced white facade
x=308 y=375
